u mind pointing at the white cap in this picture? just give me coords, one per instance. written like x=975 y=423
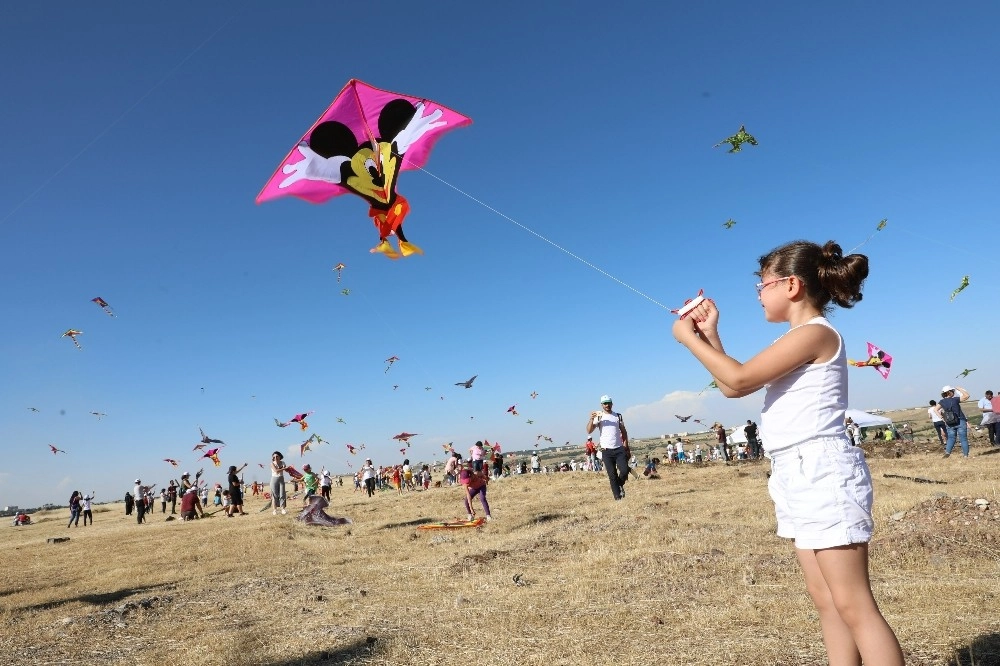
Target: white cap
x=947 y=388
x=606 y=398
x=138 y=481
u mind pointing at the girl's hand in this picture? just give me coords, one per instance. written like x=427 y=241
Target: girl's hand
x=684 y=330
x=706 y=317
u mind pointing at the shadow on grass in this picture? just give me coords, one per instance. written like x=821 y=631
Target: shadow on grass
x=97 y=599
x=995 y=450
x=361 y=651
x=982 y=651
x=408 y=523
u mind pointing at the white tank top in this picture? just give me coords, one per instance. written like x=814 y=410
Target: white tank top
x=807 y=403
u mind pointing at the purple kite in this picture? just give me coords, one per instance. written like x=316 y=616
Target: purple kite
x=877 y=359
x=358 y=146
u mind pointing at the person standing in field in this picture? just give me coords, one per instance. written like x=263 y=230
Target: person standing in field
x=949 y=405
x=236 y=490
x=326 y=482
x=820 y=484
x=172 y=496
x=368 y=477
x=278 y=483
x=615 y=453
x=474 y=482
x=939 y=426
x=140 y=502
x=87 y=505
x=750 y=431
x=591 y=450
x=75 y=503
x=990 y=418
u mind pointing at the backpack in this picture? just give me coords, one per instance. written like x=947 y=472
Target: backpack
x=950 y=416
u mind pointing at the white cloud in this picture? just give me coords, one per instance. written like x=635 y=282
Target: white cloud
x=660 y=417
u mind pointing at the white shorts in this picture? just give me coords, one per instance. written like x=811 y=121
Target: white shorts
x=822 y=492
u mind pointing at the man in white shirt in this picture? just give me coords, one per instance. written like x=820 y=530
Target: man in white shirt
x=990 y=418
x=614 y=445
x=939 y=426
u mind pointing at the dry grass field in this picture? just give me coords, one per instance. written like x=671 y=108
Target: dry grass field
x=685 y=570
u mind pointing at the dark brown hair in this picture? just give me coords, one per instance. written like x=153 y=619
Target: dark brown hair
x=826 y=273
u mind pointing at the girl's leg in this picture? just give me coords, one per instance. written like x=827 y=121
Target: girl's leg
x=482 y=498
x=853 y=627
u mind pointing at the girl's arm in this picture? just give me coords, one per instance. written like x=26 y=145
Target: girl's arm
x=799 y=346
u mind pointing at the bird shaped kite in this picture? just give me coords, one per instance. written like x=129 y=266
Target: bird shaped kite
x=737 y=140
x=530 y=421
x=684 y=419
x=965 y=373
x=34 y=409
x=305 y=446
x=878 y=359
x=690 y=304
x=545 y=437
x=205 y=439
x=428 y=388
x=512 y=410
x=405 y=436
x=298 y=418
x=395 y=386
x=879 y=227
x=712 y=385
x=71 y=334
x=55 y=450
x=359 y=146
x=961 y=286
x=350 y=447
x=341 y=420
x=450 y=446
x=729 y=224
x=104 y=305
x=389 y=361
x=213 y=455
x=534 y=394
x=403 y=450
x=99 y=415
x=467 y=383
x=339 y=268
x=173 y=463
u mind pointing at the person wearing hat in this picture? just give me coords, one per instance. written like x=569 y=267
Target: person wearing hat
x=139 y=492
x=950 y=410
x=614 y=444
x=591 y=449
x=190 y=507
x=236 y=491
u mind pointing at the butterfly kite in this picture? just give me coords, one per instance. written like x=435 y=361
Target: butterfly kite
x=965 y=373
x=339 y=268
x=737 y=140
x=104 y=305
x=729 y=224
x=213 y=455
x=405 y=436
x=72 y=333
x=878 y=359
x=55 y=450
x=467 y=383
x=205 y=439
x=512 y=410
x=961 y=286
x=298 y=418
x=173 y=463
x=358 y=146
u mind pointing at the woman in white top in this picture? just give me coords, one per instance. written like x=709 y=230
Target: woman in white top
x=820 y=484
x=278 y=483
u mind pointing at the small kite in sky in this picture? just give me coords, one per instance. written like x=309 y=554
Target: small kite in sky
x=690 y=304
x=683 y=419
x=104 y=305
x=701 y=422
x=534 y=394
x=298 y=418
x=34 y=409
x=389 y=361
x=71 y=334
x=99 y=415
x=545 y=437
x=427 y=388
x=729 y=224
x=449 y=446
x=55 y=450
x=879 y=227
x=341 y=420
x=345 y=292
x=205 y=439
x=878 y=359
x=350 y=447
x=213 y=455
x=359 y=145
x=339 y=268
x=712 y=385
x=395 y=386
x=467 y=383
x=403 y=450
x=965 y=373
x=512 y=410
x=530 y=421
x=963 y=285
x=737 y=140
x=173 y=463
x=305 y=446
x=405 y=436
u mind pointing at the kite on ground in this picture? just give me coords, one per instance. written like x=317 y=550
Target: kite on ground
x=965 y=373
x=512 y=410
x=389 y=361
x=737 y=140
x=690 y=304
x=205 y=439
x=878 y=359
x=729 y=224
x=173 y=463
x=71 y=334
x=213 y=455
x=358 y=146
x=104 y=305
x=405 y=436
x=534 y=394
x=963 y=285
x=467 y=383
x=313 y=514
x=298 y=418
x=339 y=268
x=55 y=450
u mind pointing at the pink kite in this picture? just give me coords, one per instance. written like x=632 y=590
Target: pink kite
x=358 y=146
x=298 y=418
x=877 y=359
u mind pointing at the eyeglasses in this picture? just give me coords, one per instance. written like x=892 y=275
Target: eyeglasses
x=760 y=286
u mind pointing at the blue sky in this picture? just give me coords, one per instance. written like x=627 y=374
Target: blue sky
x=135 y=136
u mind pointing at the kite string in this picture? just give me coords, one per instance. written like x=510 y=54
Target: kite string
x=117 y=120
x=541 y=237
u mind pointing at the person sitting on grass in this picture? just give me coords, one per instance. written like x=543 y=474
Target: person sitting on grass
x=190 y=506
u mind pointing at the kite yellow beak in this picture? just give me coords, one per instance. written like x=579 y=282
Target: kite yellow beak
x=407 y=248
x=384 y=248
